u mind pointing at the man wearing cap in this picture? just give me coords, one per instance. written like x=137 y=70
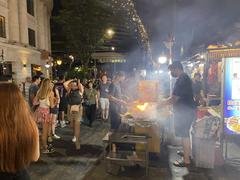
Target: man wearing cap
x=183 y=108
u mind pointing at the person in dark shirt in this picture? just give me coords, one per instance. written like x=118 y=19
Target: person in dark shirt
x=63 y=102
x=116 y=100
x=198 y=89
x=184 y=109
x=104 y=101
x=33 y=89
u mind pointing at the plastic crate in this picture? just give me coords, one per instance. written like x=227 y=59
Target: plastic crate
x=204 y=152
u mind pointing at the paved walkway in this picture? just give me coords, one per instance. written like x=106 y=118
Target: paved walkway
x=162 y=169
x=225 y=172
x=67 y=163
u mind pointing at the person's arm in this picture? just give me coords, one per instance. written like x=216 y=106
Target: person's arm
x=36 y=153
x=51 y=99
x=96 y=97
x=169 y=101
x=58 y=95
x=112 y=98
x=98 y=94
x=35 y=101
x=31 y=95
x=66 y=85
x=81 y=88
x=178 y=91
x=117 y=100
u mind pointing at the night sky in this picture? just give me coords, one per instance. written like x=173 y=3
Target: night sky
x=194 y=23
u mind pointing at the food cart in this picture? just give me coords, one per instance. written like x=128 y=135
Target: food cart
x=144 y=116
x=221 y=81
x=141 y=121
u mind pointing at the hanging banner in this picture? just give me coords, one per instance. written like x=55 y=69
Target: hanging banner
x=232 y=96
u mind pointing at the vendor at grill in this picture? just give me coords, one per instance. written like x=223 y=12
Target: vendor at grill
x=183 y=108
x=116 y=100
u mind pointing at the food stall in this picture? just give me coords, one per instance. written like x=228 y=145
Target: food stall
x=144 y=116
x=216 y=77
x=141 y=124
x=219 y=120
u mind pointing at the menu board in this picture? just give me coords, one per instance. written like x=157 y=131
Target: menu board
x=232 y=96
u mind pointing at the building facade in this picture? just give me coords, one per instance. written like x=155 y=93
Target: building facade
x=25 y=40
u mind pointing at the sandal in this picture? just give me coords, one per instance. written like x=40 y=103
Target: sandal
x=180 y=163
x=48 y=151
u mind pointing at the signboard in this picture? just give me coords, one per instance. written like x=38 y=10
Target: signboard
x=232 y=96
x=148 y=90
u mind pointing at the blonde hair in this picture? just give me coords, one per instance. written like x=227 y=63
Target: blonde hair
x=44 y=90
x=18 y=131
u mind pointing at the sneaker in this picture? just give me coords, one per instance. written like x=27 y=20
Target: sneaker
x=56 y=136
x=74 y=139
x=67 y=122
x=56 y=123
x=63 y=124
x=50 y=139
x=48 y=151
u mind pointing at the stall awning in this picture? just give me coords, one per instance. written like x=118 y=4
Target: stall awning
x=223 y=53
x=109 y=57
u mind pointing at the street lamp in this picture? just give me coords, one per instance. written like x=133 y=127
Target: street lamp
x=162 y=59
x=59 y=62
x=71 y=57
x=47 y=65
x=113 y=48
x=110 y=32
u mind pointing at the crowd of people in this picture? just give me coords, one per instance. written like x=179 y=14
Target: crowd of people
x=29 y=124
x=50 y=104
x=73 y=101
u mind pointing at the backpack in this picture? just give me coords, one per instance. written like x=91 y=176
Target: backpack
x=74 y=98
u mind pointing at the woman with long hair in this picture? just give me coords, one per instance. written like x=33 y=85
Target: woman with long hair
x=45 y=99
x=19 y=139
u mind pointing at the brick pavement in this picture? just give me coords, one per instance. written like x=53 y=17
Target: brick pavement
x=67 y=163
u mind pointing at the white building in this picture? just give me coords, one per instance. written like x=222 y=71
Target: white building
x=24 y=36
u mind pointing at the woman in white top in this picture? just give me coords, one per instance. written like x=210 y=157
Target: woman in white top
x=45 y=100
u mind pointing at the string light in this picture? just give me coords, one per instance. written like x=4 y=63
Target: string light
x=142 y=35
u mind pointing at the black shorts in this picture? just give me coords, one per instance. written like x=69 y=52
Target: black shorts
x=54 y=110
x=183 y=122
x=63 y=105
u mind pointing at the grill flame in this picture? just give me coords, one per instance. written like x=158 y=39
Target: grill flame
x=142 y=107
